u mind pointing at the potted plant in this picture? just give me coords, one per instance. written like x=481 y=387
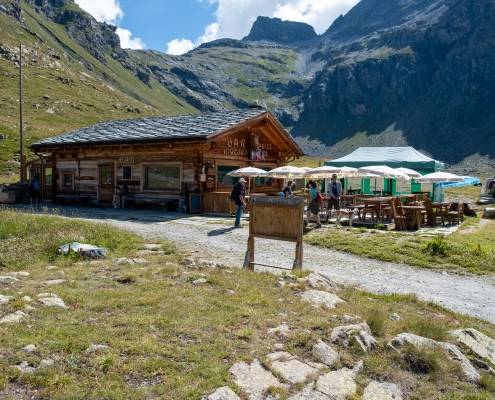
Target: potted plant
x=210 y=183
x=211 y=168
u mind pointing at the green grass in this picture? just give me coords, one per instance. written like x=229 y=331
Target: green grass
x=469 y=249
x=169 y=338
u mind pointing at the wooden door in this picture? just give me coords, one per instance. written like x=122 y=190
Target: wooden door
x=106 y=183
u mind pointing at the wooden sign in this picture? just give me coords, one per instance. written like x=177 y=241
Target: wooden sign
x=277 y=218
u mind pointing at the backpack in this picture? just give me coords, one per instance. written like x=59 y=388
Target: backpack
x=232 y=196
x=36 y=185
x=318 y=197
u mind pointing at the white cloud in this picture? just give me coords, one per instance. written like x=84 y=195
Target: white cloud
x=235 y=18
x=318 y=13
x=181 y=46
x=211 y=33
x=126 y=42
x=109 y=11
x=103 y=10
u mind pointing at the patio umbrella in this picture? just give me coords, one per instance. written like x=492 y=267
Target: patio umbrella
x=408 y=172
x=249 y=172
x=320 y=172
x=383 y=171
x=286 y=172
x=343 y=172
x=439 y=177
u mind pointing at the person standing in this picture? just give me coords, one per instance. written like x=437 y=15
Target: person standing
x=335 y=190
x=34 y=188
x=314 y=205
x=288 y=190
x=239 y=195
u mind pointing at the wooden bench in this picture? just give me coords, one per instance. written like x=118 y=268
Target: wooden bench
x=64 y=198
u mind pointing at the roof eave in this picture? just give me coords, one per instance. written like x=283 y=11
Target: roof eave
x=38 y=146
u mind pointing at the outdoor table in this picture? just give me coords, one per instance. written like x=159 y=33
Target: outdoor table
x=376 y=202
x=413 y=216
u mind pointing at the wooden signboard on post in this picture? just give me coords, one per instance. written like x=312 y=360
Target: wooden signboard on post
x=277 y=218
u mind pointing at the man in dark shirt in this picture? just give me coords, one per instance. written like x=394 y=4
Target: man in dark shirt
x=287 y=190
x=240 y=201
x=335 y=189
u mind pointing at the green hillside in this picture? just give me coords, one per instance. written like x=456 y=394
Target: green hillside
x=64 y=88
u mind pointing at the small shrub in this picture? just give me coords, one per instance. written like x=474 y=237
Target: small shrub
x=487 y=382
x=422 y=359
x=377 y=318
x=437 y=246
x=301 y=273
x=479 y=251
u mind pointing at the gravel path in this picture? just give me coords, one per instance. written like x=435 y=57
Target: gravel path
x=214 y=239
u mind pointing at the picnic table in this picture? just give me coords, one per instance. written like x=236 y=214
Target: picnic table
x=375 y=204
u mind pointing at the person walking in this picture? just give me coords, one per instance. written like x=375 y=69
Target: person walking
x=335 y=191
x=34 y=188
x=239 y=195
x=314 y=205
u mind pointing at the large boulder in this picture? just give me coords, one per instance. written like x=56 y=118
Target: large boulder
x=481 y=344
x=86 y=250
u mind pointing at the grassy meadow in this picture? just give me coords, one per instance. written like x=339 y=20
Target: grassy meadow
x=171 y=338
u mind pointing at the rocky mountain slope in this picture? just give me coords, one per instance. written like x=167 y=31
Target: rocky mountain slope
x=71 y=77
x=388 y=73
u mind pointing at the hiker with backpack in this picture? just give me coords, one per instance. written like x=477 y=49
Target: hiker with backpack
x=238 y=195
x=314 y=198
x=34 y=188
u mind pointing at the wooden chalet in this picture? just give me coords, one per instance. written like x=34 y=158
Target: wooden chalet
x=163 y=159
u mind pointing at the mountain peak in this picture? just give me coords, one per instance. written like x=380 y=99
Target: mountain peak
x=276 y=30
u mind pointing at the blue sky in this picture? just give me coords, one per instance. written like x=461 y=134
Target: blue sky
x=177 y=26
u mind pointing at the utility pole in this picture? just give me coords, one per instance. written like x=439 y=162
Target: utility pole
x=20 y=118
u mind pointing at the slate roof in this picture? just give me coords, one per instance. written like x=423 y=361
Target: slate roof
x=182 y=127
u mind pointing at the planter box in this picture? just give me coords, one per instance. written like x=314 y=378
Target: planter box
x=211 y=171
x=7 y=198
x=210 y=184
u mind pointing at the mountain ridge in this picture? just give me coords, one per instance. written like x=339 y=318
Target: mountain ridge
x=407 y=72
